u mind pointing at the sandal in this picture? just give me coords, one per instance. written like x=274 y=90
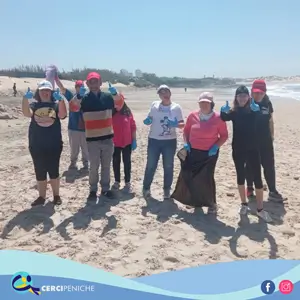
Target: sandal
x=39 y=201
x=57 y=200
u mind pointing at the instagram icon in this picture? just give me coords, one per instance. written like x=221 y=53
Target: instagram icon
x=286 y=287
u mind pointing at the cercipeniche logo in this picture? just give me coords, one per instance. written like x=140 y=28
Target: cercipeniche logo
x=22 y=282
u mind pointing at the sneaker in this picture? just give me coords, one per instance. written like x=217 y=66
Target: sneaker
x=39 y=201
x=250 y=194
x=275 y=196
x=116 y=186
x=167 y=194
x=107 y=194
x=244 y=209
x=128 y=188
x=212 y=210
x=146 y=193
x=57 y=200
x=92 y=196
x=265 y=216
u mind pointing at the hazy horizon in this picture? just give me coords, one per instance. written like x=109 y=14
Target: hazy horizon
x=228 y=39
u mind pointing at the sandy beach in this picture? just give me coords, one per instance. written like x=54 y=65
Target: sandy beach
x=132 y=237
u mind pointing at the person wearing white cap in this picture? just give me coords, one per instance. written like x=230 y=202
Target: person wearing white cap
x=204 y=134
x=45 y=138
x=163 y=118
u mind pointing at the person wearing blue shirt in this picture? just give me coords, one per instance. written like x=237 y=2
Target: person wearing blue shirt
x=76 y=128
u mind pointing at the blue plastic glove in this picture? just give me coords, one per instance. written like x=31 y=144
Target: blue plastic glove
x=148 y=121
x=173 y=123
x=82 y=91
x=112 y=89
x=57 y=95
x=213 y=150
x=29 y=94
x=187 y=147
x=225 y=108
x=254 y=106
x=133 y=145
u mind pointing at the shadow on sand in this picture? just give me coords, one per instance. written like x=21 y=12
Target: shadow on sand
x=30 y=218
x=256 y=232
x=212 y=228
x=72 y=175
x=93 y=210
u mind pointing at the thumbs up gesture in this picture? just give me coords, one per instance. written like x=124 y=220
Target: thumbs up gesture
x=82 y=90
x=225 y=108
x=112 y=89
x=254 y=106
x=28 y=95
x=57 y=95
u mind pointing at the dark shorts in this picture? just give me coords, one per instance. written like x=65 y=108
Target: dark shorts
x=46 y=162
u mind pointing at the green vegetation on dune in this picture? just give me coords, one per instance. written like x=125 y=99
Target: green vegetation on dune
x=146 y=80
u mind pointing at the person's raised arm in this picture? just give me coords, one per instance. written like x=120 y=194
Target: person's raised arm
x=62 y=109
x=67 y=93
x=27 y=112
x=223 y=133
x=118 y=98
x=226 y=113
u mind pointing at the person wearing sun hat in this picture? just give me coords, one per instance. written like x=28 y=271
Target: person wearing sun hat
x=97 y=109
x=45 y=137
x=163 y=118
x=265 y=134
x=76 y=130
x=204 y=133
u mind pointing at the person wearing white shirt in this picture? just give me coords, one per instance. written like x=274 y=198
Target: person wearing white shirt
x=163 y=118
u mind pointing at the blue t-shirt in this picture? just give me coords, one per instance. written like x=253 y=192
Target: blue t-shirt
x=75 y=118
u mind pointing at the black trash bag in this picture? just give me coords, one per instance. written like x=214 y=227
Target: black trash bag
x=195 y=184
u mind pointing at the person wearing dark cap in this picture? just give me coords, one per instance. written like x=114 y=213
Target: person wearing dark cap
x=244 y=115
x=163 y=118
x=97 y=109
x=75 y=127
x=265 y=134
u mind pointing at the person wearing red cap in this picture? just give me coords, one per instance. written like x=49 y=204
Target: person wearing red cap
x=75 y=128
x=265 y=139
x=97 y=109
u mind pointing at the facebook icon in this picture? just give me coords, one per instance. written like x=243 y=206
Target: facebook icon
x=268 y=287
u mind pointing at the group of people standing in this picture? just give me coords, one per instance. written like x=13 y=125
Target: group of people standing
x=102 y=127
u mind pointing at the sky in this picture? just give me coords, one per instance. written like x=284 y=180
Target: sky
x=191 y=38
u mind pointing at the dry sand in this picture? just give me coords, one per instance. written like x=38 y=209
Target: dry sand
x=131 y=237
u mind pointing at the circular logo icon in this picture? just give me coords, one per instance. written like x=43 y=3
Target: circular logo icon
x=20 y=281
x=286 y=287
x=268 y=287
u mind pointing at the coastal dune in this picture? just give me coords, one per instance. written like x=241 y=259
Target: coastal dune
x=134 y=237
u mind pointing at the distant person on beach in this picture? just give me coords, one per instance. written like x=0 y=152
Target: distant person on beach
x=244 y=116
x=124 y=143
x=204 y=134
x=76 y=129
x=97 y=108
x=15 y=90
x=45 y=138
x=265 y=133
x=185 y=89
x=163 y=118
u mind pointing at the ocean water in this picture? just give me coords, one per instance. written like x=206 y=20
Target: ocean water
x=286 y=90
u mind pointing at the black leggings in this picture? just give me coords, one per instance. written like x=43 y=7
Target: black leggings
x=252 y=159
x=268 y=163
x=46 y=162
x=126 y=156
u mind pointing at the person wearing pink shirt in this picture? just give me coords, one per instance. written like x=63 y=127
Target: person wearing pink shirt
x=204 y=134
x=124 y=142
